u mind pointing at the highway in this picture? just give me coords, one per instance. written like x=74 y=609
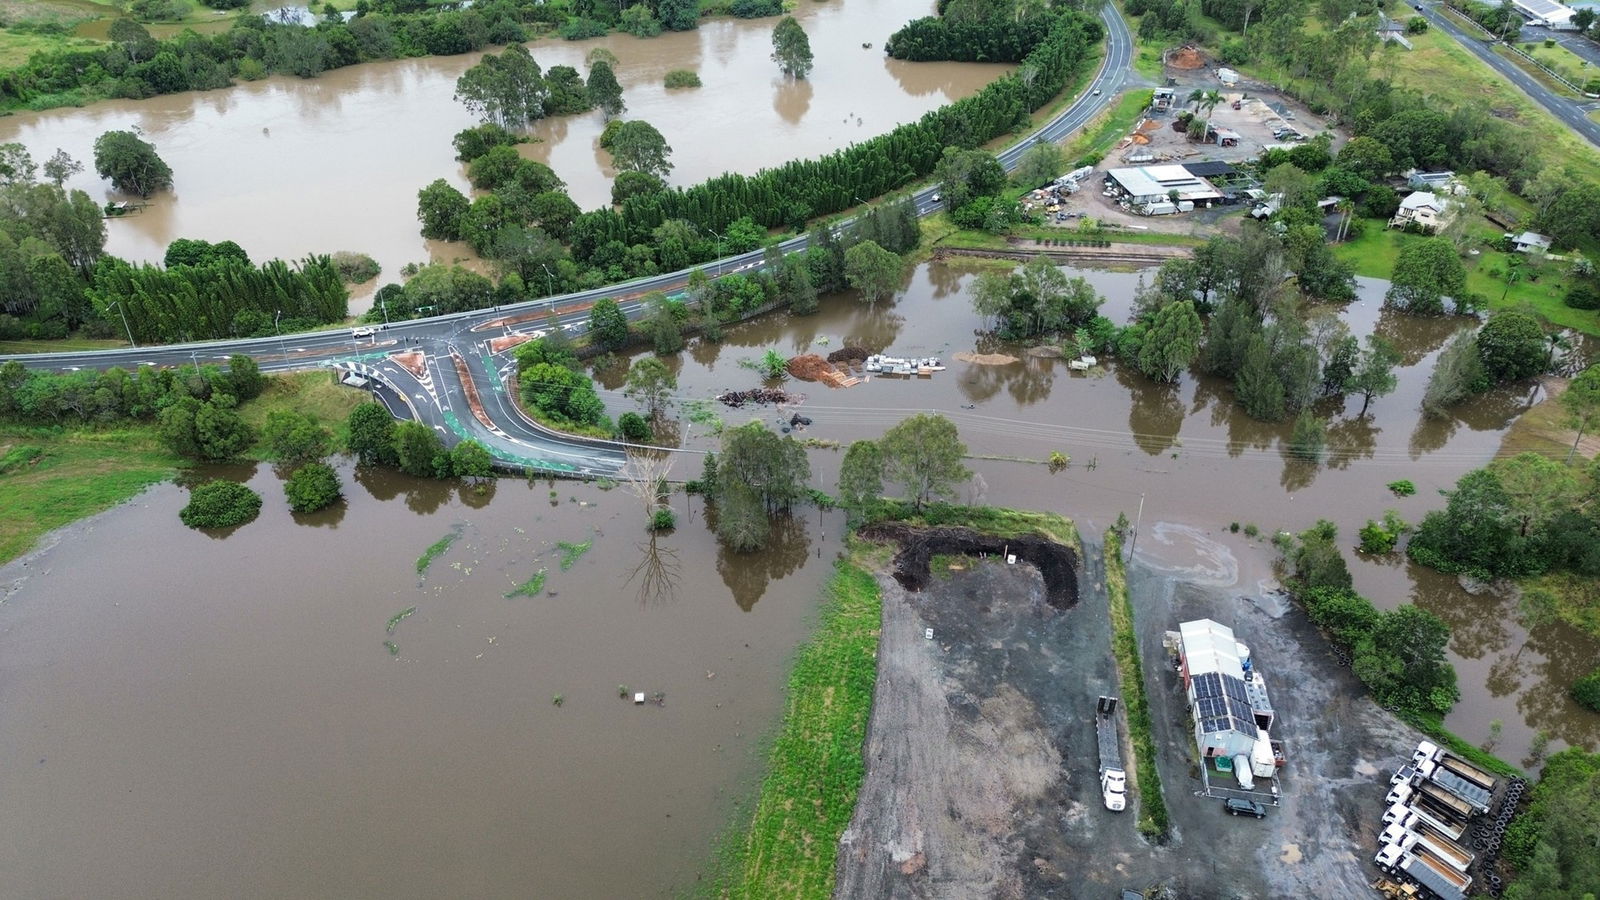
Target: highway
x=445 y=345
x=1570 y=112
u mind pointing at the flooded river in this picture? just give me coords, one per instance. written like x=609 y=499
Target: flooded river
x=289 y=166
x=196 y=717
x=1196 y=461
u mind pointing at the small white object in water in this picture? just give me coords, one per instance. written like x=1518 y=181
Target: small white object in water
x=639 y=697
x=927 y=633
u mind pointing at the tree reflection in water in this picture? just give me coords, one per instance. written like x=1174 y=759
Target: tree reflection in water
x=657 y=573
x=748 y=574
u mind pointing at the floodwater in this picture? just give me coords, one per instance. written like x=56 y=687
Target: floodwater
x=288 y=166
x=1193 y=459
x=195 y=716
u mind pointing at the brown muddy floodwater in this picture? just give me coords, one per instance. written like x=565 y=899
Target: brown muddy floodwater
x=1195 y=458
x=290 y=166
x=189 y=716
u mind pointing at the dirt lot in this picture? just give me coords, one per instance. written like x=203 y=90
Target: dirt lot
x=981 y=751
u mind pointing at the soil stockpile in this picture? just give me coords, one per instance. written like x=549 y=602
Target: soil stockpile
x=1057 y=563
x=848 y=355
x=1187 y=58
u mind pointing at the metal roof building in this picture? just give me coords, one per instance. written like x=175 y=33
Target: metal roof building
x=1219 y=700
x=1544 y=12
x=1153 y=184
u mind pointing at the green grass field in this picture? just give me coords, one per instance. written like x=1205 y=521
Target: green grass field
x=50 y=478
x=815 y=766
x=312 y=393
x=1373 y=255
x=1110 y=126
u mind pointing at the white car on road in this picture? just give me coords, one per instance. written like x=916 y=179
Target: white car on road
x=363 y=331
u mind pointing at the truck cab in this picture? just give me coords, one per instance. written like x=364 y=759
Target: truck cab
x=1114 y=789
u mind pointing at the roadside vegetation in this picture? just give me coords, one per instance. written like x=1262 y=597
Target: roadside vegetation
x=1153 y=821
x=1551 y=843
x=815 y=766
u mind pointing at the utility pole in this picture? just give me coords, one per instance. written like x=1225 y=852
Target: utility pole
x=282 y=347
x=1136 y=520
x=124 y=314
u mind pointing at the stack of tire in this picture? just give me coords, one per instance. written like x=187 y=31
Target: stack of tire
x=1495 y=834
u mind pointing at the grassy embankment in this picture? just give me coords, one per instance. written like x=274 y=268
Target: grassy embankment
x=815 y=766
x=1125 y=646
x=1373 y=254
x=50 y=477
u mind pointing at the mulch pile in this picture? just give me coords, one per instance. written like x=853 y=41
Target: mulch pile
x=1057 y=563
x=758 y=396
x=848 y=355
x=810 y=367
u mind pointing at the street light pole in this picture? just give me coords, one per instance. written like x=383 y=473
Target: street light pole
x=124 y=314
x=282 y=347
x=719 y=251
x=549 y=281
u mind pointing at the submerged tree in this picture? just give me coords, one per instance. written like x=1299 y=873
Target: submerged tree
x=791 y=49
x=506 y=90
x=130 y=163
x=924 y=454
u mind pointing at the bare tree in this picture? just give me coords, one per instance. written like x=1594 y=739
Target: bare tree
x=646 y=474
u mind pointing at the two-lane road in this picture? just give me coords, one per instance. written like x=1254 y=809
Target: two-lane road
x=1571 y=113
x=438 y=397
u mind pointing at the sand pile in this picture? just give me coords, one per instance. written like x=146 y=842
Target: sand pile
x=986 y=359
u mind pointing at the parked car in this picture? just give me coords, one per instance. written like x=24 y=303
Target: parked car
x=1235 y=807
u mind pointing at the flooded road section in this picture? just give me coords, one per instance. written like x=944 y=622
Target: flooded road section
x=195 y=717
x=290 y=166
x=1194 y=459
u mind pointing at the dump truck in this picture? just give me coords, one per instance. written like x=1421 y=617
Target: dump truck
x=1411 y=818
x=1419 y=789
x=1113 y=780
x=1430 y=752
x=1432 y=876
x=1474 y=795
x=1437 y=845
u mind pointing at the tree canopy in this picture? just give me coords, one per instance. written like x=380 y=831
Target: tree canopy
x=791 y=49
x=923 y=454
x=130 y=163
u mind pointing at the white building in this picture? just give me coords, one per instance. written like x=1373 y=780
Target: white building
x=1214 y=679
x=1425 y=208
x=1545 y=12
x=1531 y=241
x=1145 y=185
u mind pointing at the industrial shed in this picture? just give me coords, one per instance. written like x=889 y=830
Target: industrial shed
x=1154 y=184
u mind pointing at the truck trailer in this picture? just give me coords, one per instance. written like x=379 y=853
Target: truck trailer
x=1419 y=789
x=1113 y=780
x=1431 y=875
x=1474 y=795
x=1437 y=845
x=1431 y=752
x=1411 y=818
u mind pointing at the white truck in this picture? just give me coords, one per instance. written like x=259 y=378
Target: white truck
x=1412 y=817
x=1420 y=869
x=1113 y=780
x=1437 y=845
